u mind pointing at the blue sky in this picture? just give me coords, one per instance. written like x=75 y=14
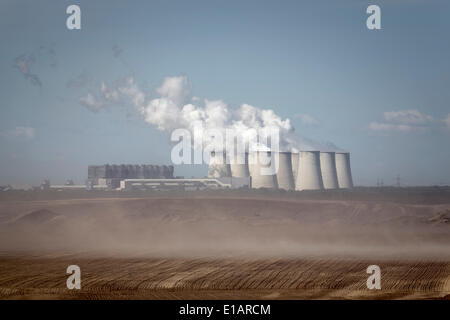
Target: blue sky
x=382 y=95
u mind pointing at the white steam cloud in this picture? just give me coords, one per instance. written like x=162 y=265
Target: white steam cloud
x=176 y=108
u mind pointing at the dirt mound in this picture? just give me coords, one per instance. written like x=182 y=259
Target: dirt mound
x=441 y=218
x=38 y=217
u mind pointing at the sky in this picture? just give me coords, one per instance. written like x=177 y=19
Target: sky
x=383 y=95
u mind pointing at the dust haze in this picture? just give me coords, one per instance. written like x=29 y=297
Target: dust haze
x=226 y=227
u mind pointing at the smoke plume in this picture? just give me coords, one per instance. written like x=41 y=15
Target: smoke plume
x=175 y=107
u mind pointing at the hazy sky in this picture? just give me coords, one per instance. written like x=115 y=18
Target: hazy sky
x=383 y=95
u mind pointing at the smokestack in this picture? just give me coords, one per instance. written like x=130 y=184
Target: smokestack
x=309 y=175
x=294 y=163
x=285 y=178
x=256 y=168
x=239 y=166
x=218 y=166
x=328 y=166
x=344 y=173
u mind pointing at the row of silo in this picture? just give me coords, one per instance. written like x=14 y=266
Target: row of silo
x=305 y=170
x=129 y=171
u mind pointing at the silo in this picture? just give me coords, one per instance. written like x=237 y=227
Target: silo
x=166 y=172
x=344 y=173
x=140 y=171
x=153 y=171
x=91 y=172
x=136 y=171
x=123 y=171
x=261 y=179
x=119 y=171
x=101 y=171
x=218 y=166
x=115 y=171
x=285 y=177
x=107 y=171
x=159 y=171
x=170 y=172
x=309 y=175
x=239 y=166
x=328 y=167
x=294 y=164
x=131 y=172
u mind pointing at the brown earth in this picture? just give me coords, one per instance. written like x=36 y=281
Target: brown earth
x=223 y=247
x=128 y=278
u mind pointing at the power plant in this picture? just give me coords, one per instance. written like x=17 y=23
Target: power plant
x=328 y=167
x=309 y=173
x=239 y=166
x=303 y=170
x=111 y=175
x=344 y=173
x=218 y=166
x=285 y=177
x=262 y=176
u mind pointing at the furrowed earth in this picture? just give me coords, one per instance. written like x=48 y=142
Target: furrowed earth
x=226 y=245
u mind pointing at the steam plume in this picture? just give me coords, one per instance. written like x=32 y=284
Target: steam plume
x=177 y=108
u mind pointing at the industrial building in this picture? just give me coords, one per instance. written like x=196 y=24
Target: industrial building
x=184 y=184
x=110 y=175
x=153 y=177
x=304 y=170
x=344 y=172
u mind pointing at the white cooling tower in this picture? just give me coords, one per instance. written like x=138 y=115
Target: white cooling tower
x=294 y=163
x=218 y=166
x=285 y=178
x=259 y=170
x=309 y=175
x=239 y=166
x=328 y=167
x=344 y=173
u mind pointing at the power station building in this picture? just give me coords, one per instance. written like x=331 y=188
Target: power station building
x=304 y=170
x=153 y=177
x=110 y=175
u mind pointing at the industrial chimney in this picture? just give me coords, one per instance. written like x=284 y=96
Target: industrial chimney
x=344 y=173
x=285 y=178
x=309 y=175
x=257 y=168
x=328 y=167
x=218 y=166
x=239 y=166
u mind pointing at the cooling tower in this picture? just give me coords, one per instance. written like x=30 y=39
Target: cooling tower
x=309 y=175
x=344 y=173
x=257 y=168
x=218 y=166
x=285 y=178
x=239 y=166
x=294 y=164
x=328 y=167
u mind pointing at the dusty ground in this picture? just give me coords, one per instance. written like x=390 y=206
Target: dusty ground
x=118 y=278
x=223 y=247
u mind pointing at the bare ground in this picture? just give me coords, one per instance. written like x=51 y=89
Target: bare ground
x=113 y=278
x=223 y=248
